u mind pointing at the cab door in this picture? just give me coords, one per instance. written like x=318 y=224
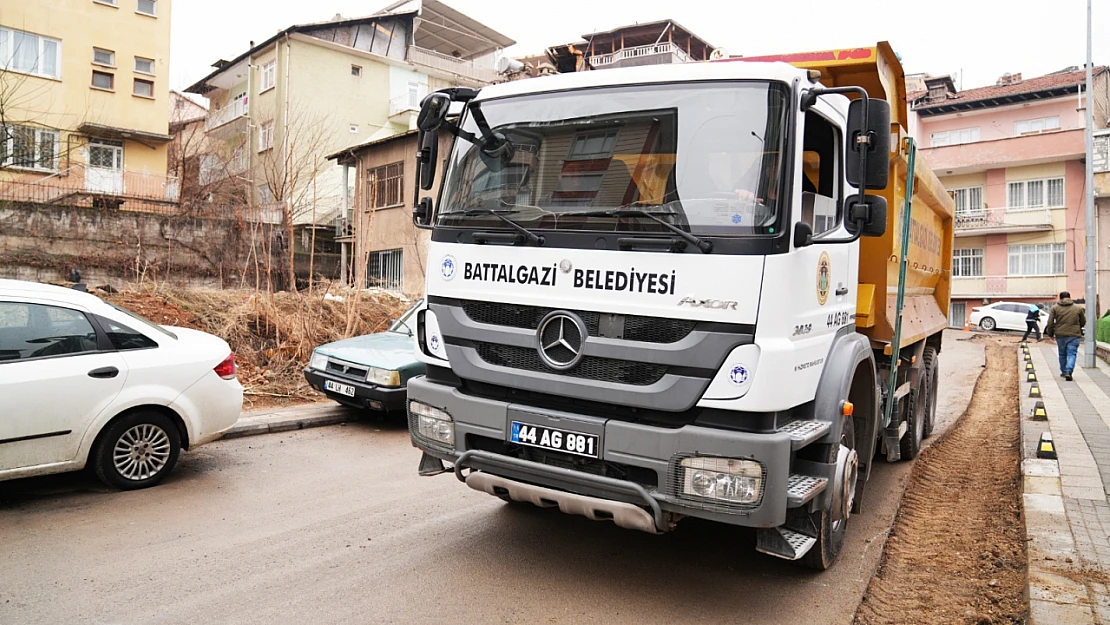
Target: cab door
x=55 y=379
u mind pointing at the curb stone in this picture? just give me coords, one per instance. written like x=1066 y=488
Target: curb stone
x=294 y=418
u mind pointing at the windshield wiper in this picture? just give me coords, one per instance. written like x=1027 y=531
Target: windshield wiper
x=704 y=245
x=529 y=236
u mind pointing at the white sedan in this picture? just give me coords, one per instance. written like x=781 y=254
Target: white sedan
x=84 y=383
x=1003 y=316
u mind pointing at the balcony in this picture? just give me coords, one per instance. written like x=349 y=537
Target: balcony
x=97 y=188
x=232 y=111
x=1046 y=147
x=1002 y=287
x=446 y=63
x=657 y=54
x=404 y=108
x=1002 y=220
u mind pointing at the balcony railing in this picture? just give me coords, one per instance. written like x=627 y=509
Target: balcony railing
x=99 y=188
x=602 y=60
x=999 y=220
x=233 y=110
x=409 y=102
x=447 y=63
x=1009 y=286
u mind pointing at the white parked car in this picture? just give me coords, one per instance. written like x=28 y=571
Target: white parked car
x=84 y=383
x=1003 y=316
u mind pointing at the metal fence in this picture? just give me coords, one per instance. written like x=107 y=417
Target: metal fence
x=77 y=186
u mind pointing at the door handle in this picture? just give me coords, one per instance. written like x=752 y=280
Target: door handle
x=104 y=372
x=842 y=291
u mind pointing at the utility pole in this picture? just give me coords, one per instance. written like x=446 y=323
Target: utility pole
x=1089 y=189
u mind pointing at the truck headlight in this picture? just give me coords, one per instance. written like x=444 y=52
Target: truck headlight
x=318 y=361
x=383 y=377
x=433 y=424
x=724 y=479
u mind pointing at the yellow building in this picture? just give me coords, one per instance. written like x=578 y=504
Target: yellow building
x=84 y=94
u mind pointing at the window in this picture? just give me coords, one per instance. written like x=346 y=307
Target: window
x=954 y=137
x=104 y=57
x=356 y=70
x=29 y=53
x=144 y=88
x=967 y=263
x=386 y=270
x=593 y=145
x=354 y=127
x=123 y=337
x=1037 y=260
x=266 y=136
x=26 y=146
x=384 y=185
x=265 y=194
x=820 y=191
x=37 y=331
x=103 y=80
x=969 y=201
x=144 y=66
x=269 y=76
x=1045 y=193
x=147 y=7
x=1041 y=124
x=111 y=3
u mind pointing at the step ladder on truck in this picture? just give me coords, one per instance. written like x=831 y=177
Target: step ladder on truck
x=671 y=291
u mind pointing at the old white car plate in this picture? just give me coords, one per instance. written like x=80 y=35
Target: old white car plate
x=554 y=439
x=342 y=389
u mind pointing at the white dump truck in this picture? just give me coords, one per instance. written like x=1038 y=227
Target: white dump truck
x=671 y=291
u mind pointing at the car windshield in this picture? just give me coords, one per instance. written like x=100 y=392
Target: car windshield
x=144 y=321
x=705 y=157
x=404 y=324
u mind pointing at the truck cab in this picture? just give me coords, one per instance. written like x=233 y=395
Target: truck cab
x=642 y=295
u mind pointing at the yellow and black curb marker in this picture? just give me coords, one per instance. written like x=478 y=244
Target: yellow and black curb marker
x=1028 y=366
x=1034 y=391
x=1028 y=357
x=1039 y=413
x=1046 y=448
x=1032 y=377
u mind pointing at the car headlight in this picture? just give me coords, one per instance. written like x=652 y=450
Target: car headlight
x=724 y=479
x=383 y=377
x=432 y=423
x=318 y=361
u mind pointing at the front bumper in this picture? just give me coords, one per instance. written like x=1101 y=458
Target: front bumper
x=367 y=396
x=481 y=424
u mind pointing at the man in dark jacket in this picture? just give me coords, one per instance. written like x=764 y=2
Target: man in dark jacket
x=1032 y=322
x=1066 y=322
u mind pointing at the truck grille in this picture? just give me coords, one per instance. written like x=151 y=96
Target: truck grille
x=591 y=368
x=636 y=327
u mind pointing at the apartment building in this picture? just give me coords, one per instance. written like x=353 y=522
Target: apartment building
x=84 y=91
x=1012 y=157
x=279 y=108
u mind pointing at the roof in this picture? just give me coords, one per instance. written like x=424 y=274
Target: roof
x=440 y=27
x=1050 y=85
x=356 y=148
x=48 y=291
x=660 y=23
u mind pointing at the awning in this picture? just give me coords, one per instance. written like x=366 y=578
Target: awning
x=111 y=132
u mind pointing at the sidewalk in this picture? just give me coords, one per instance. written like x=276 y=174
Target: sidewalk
x=1067 y=514
x=292 y=418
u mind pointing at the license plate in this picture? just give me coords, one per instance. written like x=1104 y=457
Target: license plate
x=342 y=389
x=555 y=439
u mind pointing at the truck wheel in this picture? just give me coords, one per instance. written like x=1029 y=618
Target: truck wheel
x=932 y=375
x=915 y=432
x=831 y=531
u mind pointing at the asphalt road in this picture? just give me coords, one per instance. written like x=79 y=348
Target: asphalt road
x=333 y=525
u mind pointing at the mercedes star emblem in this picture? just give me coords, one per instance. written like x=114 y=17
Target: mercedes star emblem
x=560 y=338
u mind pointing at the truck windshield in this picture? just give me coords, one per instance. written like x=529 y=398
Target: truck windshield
x=705 y=157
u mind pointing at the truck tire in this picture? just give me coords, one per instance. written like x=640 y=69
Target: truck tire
x=932 y=375
x=915 y=420
x=830 y=533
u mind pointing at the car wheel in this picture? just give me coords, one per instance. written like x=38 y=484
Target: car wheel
x=137 y=451
x=987 y=323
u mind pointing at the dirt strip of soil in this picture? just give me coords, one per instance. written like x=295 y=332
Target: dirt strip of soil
x=956 y=552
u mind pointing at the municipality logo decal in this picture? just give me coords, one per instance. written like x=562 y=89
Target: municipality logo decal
x=448 y=267
x=434 y=341
x=738 y=375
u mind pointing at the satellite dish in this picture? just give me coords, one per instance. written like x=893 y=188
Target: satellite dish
x=718 y=54
x=505 y=65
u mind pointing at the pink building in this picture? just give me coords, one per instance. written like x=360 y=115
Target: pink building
x=1012 y=156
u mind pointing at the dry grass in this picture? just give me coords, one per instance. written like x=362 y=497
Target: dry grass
x=271 y=334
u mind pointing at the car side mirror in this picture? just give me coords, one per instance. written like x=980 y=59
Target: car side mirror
x=870 y=137
x=427 y=157
x=433 y=111
x=422 y=212
x=867 y=218
x=803 y=235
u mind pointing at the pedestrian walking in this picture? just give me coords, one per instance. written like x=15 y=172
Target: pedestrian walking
x=1032 y=322
x=1066 y=322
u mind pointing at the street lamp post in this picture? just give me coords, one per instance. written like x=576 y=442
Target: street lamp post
x=1089 y=273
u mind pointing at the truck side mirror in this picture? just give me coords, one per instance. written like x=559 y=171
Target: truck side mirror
x=427 y=158
x=874 y=141
x=867 y=218
x=433 y=111
x=422 y=212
